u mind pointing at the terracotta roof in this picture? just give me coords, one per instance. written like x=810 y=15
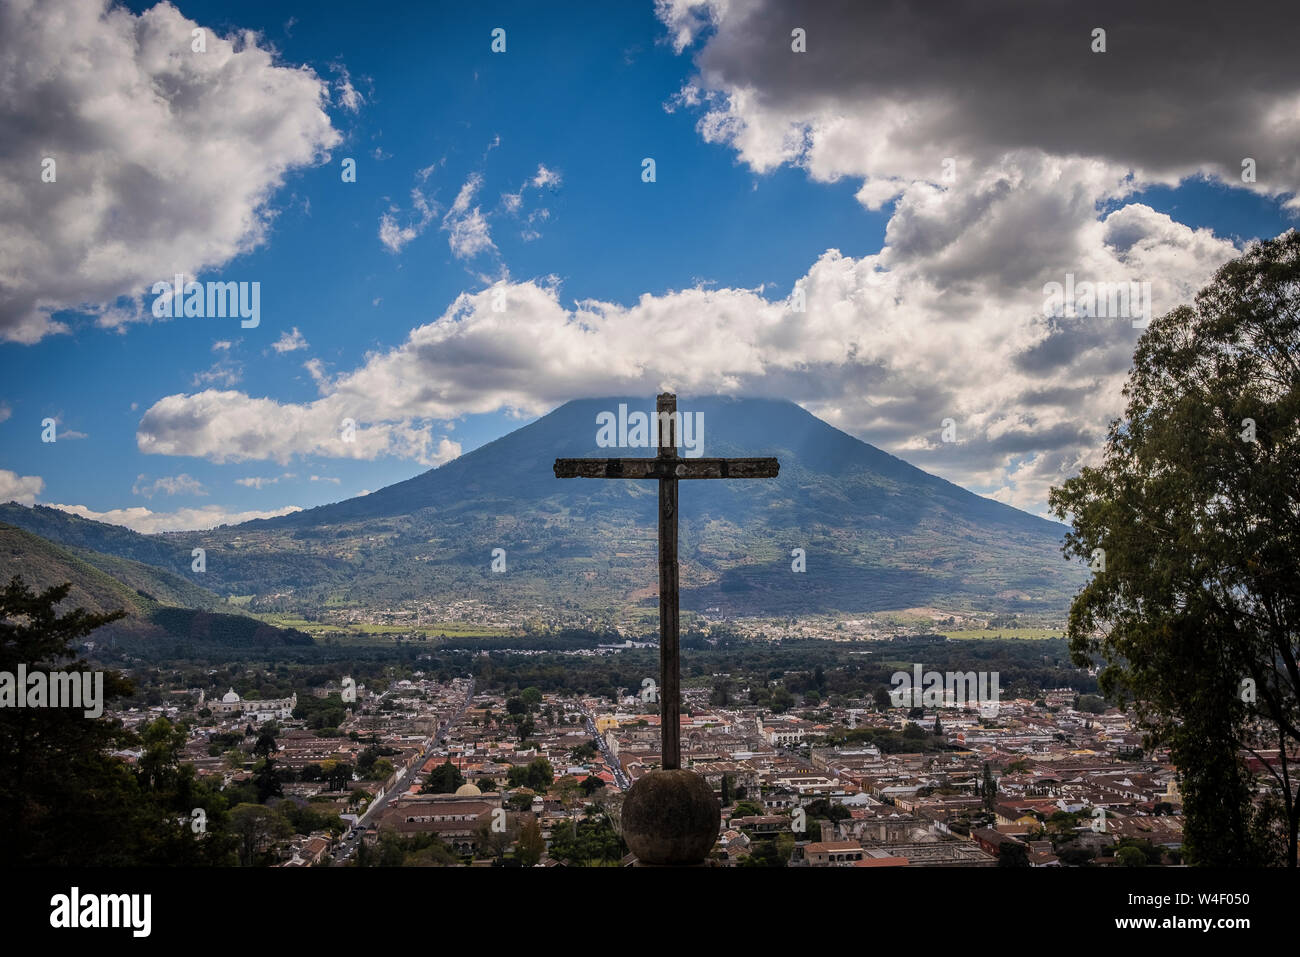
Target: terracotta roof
x=832 y=847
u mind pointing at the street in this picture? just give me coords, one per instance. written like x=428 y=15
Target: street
x=348 y=846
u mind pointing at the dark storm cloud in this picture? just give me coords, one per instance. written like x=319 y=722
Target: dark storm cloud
x=1181 y=84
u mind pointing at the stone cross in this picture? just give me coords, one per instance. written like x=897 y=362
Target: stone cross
x=667 y=467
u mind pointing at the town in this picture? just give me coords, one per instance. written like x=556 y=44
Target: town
x=434 y=770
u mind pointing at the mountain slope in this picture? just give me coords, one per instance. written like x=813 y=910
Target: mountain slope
x=878 y=533
x=136 y=588
x=839 y=468
x=240 y=571
x=159 y=604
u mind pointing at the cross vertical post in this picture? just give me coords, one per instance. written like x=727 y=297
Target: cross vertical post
x=668 y=469
x=669 y=624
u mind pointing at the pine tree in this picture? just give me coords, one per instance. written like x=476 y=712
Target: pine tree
x=990 y=788
x=531 y=845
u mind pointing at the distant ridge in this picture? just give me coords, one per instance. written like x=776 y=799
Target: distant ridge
x=159 y=604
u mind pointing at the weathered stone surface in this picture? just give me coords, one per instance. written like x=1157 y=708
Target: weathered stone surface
x=671 y=817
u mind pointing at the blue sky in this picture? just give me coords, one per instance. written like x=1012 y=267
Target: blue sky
x=562 y=120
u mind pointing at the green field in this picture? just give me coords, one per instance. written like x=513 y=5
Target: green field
x=1003 y=633
x=450 y=629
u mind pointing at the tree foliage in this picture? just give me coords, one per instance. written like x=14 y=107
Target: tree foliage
x=444 y=779
x=536 y=775
x=1195 y=510
x=65 y=799
x=587 y=841
x=531 y=845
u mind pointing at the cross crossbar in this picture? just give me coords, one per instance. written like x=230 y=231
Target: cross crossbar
x=667 y=468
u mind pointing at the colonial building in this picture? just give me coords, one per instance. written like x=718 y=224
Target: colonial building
x=454 y=818
x=833 y=853
x=258 y=710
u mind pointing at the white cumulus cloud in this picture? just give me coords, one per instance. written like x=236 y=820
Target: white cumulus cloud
x=467 y=229
x=141 y=519
x=165 y=159
x=290 y=341
x=887 y=345
x=182 y=484
x=229 y=426
x=22 y=489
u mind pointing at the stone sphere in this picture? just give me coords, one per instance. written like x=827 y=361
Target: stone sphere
x=671 y=817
